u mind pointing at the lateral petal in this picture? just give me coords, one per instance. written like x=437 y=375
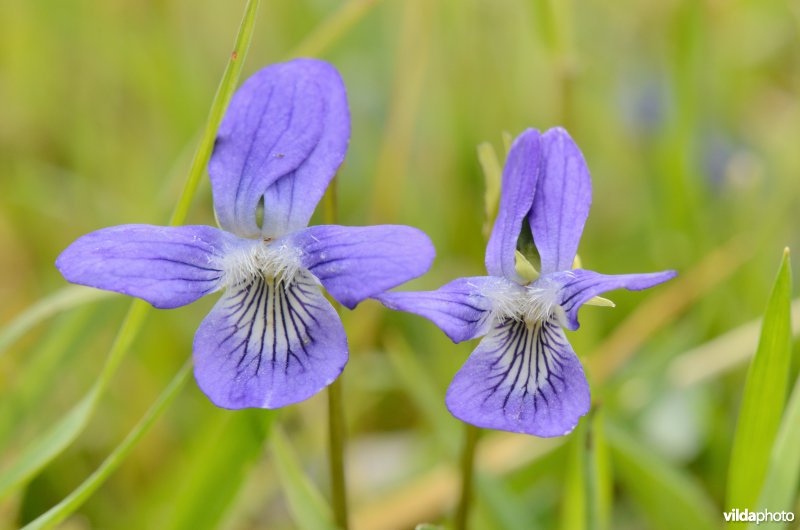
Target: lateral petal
x=457 y=308
x=283 y=138
x=521 y=378
x=561 y=205
x=520 y=174
x=357 y=262
x=580 y=285
x=269 y=344
x=168 y=266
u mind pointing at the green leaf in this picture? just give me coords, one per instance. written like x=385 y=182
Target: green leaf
x=61 y=300
x=601 y=483
x=308 y=507
x=764 y=397
x=574 y=500
x=780 y=486
x=34 y=380
x=49 y=445
x=61 y=435
x=74 y=500
x=207 y=481
x=422 y=389
x=669 y=498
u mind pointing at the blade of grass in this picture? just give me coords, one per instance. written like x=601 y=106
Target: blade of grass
x=601 y=483
x=764 y=397
x=42 y=366
x=780 y=486
x=668 y=498
x=74 y=500
x=61 y=300
x=574 y=514
x=61 y=435
x=306 y=503
x=208 y=481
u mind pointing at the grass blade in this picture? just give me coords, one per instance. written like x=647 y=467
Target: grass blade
x=61 y=300
x=573 y=508
x=780 y=486
x=306 y=503
x=59 y=437
x=668 y=498
x=73 y=501
x=207 y=482
x=764 y=397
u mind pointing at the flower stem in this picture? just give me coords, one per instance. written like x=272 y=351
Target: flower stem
x=471 y=434
x=336 y=438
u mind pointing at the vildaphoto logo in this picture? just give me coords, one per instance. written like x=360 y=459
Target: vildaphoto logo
x=746 y=516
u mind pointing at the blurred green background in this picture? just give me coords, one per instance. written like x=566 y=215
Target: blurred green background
x=686 y=111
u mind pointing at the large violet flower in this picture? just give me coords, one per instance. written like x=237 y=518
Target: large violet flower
x=524 y=376
x=272 y=339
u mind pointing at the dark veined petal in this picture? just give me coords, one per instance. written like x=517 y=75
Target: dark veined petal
x=520 y=174
x=283 y=138
x=458 y=308
x=357 y=262
x=580 y=285
x=561 y=205
x=167 y=266
x=521 y=378
x=267 y=344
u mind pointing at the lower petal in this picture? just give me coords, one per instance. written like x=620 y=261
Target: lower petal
x=521 y=378
x=267 y=344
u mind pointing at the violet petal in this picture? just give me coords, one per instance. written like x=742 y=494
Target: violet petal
x=268 y=345
x=457 y=308
x=562 y=201
x=357 y=262
x=166 y=266
x=521 y=378
x=579 y=285
x=283 y=138
x=520 y=174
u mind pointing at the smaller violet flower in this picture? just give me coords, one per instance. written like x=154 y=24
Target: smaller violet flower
x=272 y=339
x=524 y=376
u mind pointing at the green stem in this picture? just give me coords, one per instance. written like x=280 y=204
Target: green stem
x=336 y=438
x=471 y=434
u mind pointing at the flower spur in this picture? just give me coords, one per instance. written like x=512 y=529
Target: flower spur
x=524 y=376
x=272 y=339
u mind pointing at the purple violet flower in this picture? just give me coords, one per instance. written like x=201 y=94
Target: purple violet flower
x=524 y=376
x=272 y=339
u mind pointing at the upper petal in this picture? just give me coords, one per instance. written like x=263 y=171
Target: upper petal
x=283 y=138
x=268 y=343
x=579 y=286
x=167 y=266
x=521 y=378
x=561 y=205
x=459 y=308
x=357 y=262
x=520 y=174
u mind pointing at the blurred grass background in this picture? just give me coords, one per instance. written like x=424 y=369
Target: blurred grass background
x=687 y=113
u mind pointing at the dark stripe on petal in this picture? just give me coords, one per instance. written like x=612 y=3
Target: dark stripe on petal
x=521 y=378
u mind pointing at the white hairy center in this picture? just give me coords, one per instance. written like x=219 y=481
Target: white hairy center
x=535 y=302
x=271 y=260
